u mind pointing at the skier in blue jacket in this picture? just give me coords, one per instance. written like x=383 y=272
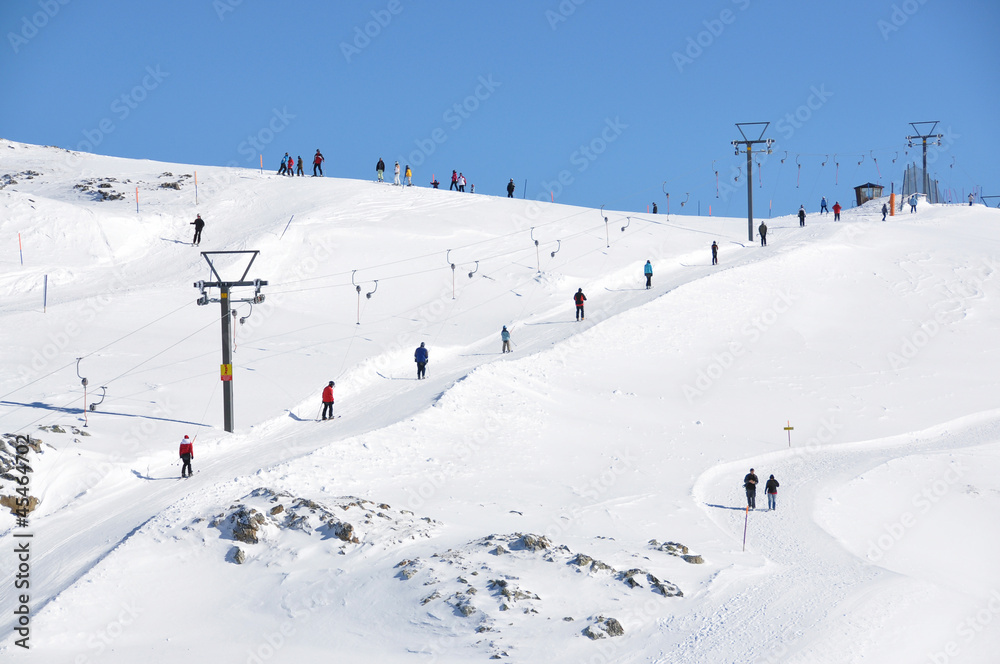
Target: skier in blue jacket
x=420 y=357
x=648 y=271
x=505 y=338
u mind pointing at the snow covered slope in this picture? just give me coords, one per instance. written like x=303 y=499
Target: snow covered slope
x=579 y=499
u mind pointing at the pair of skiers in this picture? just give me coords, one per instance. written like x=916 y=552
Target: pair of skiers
x=770 y=488
x=287 y=165
x=458 y=182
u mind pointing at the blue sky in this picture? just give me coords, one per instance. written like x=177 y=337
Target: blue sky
x=592 y=102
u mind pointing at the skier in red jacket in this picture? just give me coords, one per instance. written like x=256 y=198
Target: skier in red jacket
x=328 y=401
x=187 y=453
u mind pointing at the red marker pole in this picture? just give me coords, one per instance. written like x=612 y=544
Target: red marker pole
x=19 y=249
x=745 y=522
x=262 y=164
x=137 y=200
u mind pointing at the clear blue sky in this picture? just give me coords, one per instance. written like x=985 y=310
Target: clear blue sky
x=614 y=98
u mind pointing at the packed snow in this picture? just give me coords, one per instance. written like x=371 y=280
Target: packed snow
x=579 y=499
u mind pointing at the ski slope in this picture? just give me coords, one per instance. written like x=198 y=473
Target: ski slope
x=874 y=340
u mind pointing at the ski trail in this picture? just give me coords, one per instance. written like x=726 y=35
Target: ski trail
x=799 y=563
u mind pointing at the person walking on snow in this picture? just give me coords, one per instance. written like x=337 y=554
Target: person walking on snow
x=186 y=454
x=802 y=215
x=972 y=198
x=300 y=167
x=648 y=271
x=284 y=165
x=579 y=298
x=510 y=189
x=454 y=181
x=885 y=211
x=822 y=206
x=328 y=401
x=461 y=182
x=654 y=207
x=750 y=484
x=396 y=174
x=913 y=203
x=420 y=356
x=318 y=163
x=409 y=176
x=771 y=489
x=715 y=253
x=291 y=167
x=198 y=224
x=836 y=211
x=762 y=229
x=380 y=169
x=505 y=338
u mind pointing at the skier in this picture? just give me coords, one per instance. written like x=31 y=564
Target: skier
x=186 y=453
x=715 y=253
x=505 y=337
x=434 y=183
x=395 y=171
x=762 y=229
x=380 y=169
x=510 y=189
x=299 y=167
x=409 y=176
x=318 y=163
x=420 y=357
x=654 y=207
x=750 y=484
x=771 y=489
x=648 y=271
x=836 y=211
x=802 y=214
x=291 y=167
x=579 y=298
x=284 y=165
x=913 y=203
x=454 y=181
x=461 y=182
x=328 y=401
x=822 y=206
x=885 y=211
x=972 y=197
x=198 y=224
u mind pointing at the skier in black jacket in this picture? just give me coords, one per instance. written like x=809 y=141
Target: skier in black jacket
x=771 y=489
x=510 y=188
x=198 y=224
x=750 y=484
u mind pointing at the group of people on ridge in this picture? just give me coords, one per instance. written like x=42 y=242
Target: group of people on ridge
x=380 y=173
x=288 y=165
